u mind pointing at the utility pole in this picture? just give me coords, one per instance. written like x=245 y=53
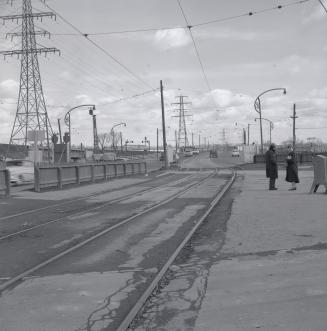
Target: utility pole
x=163 y=126
x=294 y=117
x=31 y=113
x=157 y=143
x=59 y=128
x=182 y=131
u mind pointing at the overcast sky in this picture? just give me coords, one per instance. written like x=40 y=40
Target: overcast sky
x=242 y=56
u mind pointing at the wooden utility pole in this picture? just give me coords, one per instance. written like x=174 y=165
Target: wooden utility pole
x=294 y=117
x=157 y=143
x=59 y=128
x=163 y=126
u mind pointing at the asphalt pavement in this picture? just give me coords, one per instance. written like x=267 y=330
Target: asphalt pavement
x=271 y=272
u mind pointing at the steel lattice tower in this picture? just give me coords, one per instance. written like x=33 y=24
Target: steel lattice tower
x=31 y=111
x=182 y=140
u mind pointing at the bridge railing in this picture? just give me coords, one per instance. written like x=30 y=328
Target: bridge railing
x=4 y=182
x=59 y=175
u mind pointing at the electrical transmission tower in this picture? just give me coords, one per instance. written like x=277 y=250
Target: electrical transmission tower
x=182 y=140
x=31 y=114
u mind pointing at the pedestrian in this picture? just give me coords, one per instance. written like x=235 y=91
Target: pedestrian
x=291 y=169
x=271 y=166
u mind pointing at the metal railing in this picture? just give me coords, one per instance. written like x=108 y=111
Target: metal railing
x=52 y=175
x=4 y=182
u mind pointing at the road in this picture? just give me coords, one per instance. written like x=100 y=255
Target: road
x=78 y=259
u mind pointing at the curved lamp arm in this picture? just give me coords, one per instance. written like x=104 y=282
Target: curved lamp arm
x=68 y=113
x=257 y=104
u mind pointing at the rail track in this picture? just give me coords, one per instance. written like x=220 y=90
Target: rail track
x=71 y=201
x=15 y=279
x=137 y=307
x=74 y=214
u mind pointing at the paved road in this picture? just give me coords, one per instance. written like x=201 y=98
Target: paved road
x=91 y=288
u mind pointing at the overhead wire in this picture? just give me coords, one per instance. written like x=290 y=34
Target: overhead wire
x=115 y=71
x=218 y=20
x=99 y=47
x=323 y=6
x=198 y=54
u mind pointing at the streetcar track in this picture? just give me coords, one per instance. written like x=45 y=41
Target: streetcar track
x=105 y=204
x=149 y=290
x=31 y=211
x=26 y=273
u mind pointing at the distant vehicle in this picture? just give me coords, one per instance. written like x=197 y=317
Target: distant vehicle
x=213 y=153
x=235 y=152
x=196 y=151
x=188 y=152
x=21 y=171
x=121 y=159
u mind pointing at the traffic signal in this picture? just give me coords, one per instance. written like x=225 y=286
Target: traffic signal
x=66 y=137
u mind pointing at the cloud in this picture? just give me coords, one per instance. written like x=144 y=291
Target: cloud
x=235 y=35
x=316 y=14
x=168 y=39
x=9 y=89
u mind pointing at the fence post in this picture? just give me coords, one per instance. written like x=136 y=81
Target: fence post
x=105 y=172
x=7 y=180
x=78 y=176
x=133 y=170
x=59 y=175
x=115 y=166
x=124 y=167
x=92 y=173
x=36 y=178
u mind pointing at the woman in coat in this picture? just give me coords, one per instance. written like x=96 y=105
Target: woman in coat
x=271 y=166
x=291 y=169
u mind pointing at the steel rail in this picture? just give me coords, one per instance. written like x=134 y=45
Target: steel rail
x=146 y=294
x=105 y=204
x=13 y=280
x=59 y=204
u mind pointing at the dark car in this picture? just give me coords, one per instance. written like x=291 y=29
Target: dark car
x=213 y=153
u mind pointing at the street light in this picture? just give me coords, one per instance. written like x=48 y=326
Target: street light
x=257 y=107
x=68 y=122
x=113 y=133
x=271 y=126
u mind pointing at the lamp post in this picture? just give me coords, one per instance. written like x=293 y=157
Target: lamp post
x=113 y=133
x=257 y=107
x=68 y=121
x=271 y=126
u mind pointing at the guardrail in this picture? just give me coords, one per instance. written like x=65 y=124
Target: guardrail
x=56 y=175
x=4 y=182
x=302 y=157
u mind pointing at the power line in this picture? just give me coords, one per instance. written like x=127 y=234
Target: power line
x=250 y=13
x=323 y=6
x=98 y=46
x=197 y=54
x=218 y=20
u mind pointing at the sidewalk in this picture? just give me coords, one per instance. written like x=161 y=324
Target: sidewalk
x=272 y=274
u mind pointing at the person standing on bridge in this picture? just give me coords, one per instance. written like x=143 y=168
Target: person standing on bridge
x=291 y=169
x=271 y=166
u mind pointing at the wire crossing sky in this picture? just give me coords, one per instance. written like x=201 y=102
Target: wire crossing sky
x=220 y=54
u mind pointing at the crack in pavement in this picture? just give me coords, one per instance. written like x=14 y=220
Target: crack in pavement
x=317 y=246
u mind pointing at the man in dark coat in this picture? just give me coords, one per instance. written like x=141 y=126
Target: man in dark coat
x=271 y=166
x=291 y=169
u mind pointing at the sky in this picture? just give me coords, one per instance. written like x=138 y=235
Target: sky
x=228 y=59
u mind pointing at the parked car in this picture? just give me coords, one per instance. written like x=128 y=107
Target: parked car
x=213 y=153
x=235 y=152
x=188 y=152
x=196 y=151
x=21 y=171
